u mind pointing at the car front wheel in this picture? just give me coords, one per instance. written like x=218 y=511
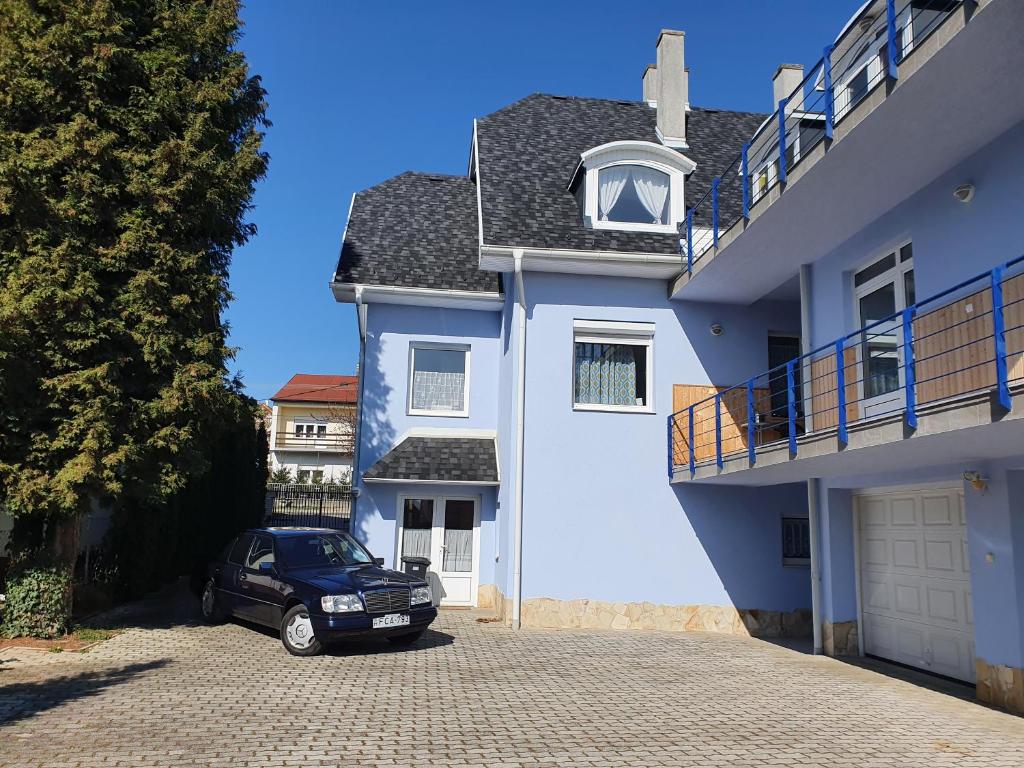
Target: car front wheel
x=212 y=613
x=297 y=633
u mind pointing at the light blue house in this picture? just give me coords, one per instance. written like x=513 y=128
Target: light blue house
x=652 y=365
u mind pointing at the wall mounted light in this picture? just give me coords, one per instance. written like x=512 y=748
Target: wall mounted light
x=716 y=329
x=977 y=481
x=964 y=193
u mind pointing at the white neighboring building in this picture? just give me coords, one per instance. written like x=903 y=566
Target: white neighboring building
x=312 y=427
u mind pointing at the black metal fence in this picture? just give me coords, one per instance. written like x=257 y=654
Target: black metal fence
x=318 y=506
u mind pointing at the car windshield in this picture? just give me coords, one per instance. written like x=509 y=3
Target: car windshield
x=321 y=549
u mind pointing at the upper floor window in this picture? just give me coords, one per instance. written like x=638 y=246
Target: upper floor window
x=633 y=193
x=612 y=366
x=438 y=380
x=632 y=185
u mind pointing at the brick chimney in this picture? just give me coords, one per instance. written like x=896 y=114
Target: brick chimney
x=672 y=88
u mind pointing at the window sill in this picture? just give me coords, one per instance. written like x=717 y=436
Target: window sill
x=795 y=562
x=443 y=414
x=629 y=226
x=640 y=409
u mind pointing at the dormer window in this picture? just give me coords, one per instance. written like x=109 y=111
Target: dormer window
x=634 y=194
x=632 y=185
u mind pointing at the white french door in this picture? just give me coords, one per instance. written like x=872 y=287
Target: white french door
x=881 y=290
x=444 y=529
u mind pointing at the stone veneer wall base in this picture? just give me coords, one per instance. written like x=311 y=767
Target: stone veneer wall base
x=839 y=638
x=546 y=613
x=1000 y=686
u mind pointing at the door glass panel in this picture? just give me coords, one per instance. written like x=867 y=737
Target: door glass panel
x=908 y=288
x=458 y=535
x=878 y=346
x=262 y=552
x=417 y=520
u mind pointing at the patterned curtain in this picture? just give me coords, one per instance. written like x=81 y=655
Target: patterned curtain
x=605 y=374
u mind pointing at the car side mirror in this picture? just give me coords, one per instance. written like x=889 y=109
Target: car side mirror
x=267 y=568
x=378 y=561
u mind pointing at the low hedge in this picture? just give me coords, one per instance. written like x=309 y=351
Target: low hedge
x=36 y=602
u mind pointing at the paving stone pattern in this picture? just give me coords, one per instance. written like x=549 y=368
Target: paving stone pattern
x=172 y=692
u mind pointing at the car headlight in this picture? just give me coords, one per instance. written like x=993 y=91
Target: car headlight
x=341 y=603
x=421 y=595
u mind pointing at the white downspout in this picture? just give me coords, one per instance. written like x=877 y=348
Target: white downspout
x=812 y=519
x=517 y=537
x=357 y=437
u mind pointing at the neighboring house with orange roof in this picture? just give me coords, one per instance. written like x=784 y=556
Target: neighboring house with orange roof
x=312 y=426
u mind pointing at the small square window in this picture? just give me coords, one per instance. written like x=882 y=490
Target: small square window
x=796 y=541
x=611 y=366
x=438 y=381
x=309 y=475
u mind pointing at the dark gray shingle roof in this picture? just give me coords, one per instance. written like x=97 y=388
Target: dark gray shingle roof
x=529 y=150
x=415 y=230
x=446 y=459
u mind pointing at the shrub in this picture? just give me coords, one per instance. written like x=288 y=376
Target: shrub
x=37 y=600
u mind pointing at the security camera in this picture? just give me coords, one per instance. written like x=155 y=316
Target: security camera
x=716 y=329
x=964 y=193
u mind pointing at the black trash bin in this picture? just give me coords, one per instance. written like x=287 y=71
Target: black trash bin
x=416 y=567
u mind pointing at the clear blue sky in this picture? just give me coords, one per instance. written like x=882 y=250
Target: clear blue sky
x=361 y=91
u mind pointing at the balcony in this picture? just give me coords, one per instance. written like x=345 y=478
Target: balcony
x=313 y=443
x=909 y=89
x=942 y=376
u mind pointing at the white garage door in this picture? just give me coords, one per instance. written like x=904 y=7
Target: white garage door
x=914 y=580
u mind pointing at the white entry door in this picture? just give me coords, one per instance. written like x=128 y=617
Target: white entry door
x=444 y=529
x=914 y=580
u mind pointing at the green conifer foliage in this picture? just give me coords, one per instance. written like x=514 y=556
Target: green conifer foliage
x=130 y=144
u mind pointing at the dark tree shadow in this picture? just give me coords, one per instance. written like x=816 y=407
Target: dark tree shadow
x=23 y=700
x=376 y=433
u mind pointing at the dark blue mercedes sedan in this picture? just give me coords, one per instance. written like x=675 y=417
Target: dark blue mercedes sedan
x=316 y=586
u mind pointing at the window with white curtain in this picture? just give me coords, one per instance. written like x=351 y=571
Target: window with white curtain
x=634 y=194
x=438 y=380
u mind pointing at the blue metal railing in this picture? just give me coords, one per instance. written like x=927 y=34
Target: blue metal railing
x=867 y=52
x=968 y=339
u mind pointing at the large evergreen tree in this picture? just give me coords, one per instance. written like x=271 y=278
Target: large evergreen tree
x=130 y=144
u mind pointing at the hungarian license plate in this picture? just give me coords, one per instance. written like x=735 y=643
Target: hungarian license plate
x=391 y=620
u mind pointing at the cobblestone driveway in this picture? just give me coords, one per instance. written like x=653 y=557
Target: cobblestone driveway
x=171 y=692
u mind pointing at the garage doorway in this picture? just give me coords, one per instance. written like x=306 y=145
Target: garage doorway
x=914 y=579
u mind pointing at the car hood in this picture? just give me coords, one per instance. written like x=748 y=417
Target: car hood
x=333 y=580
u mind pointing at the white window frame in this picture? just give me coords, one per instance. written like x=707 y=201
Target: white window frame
x=642 y=153
x=605 y=332
x=311 y=469
x=413 y=346
x=897 y=276
x=803 y=562
x=306 y=424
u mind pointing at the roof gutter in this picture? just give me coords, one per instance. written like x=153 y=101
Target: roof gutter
x=487 y=301
x=517 y=538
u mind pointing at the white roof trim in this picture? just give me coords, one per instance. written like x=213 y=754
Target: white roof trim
x=424 y=297
x=625 y=149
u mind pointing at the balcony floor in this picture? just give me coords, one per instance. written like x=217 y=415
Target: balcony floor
x=964 y=430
